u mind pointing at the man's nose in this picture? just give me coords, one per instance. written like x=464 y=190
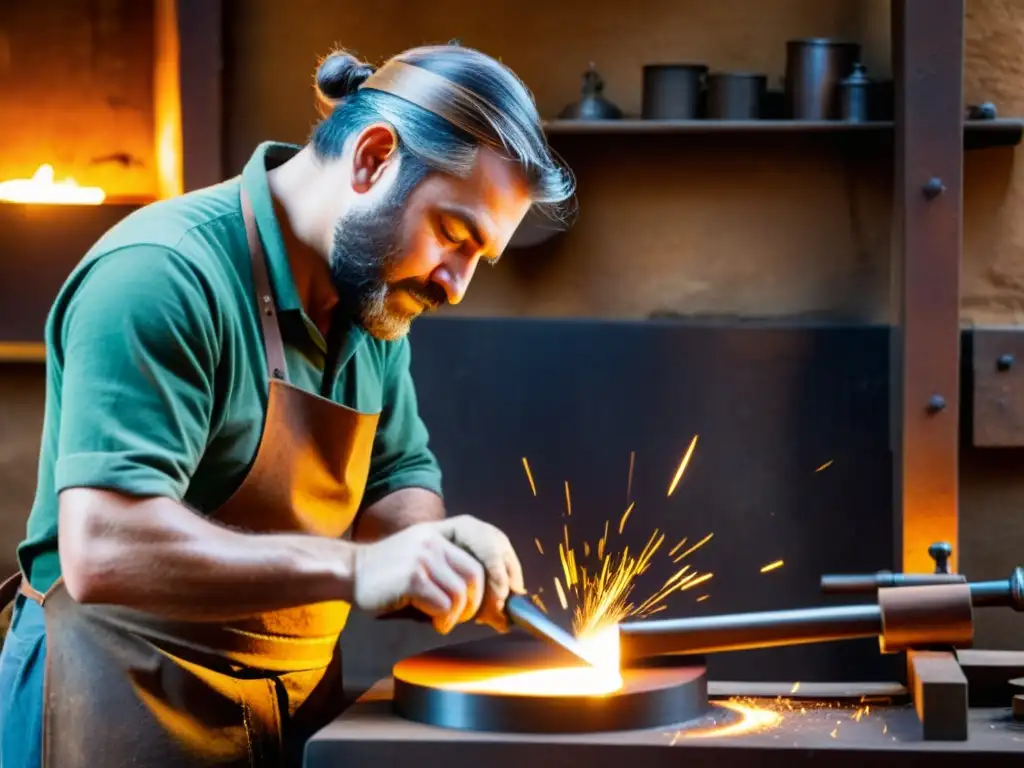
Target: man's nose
x=454 y=276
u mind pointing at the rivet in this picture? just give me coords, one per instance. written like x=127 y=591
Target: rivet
x=933 y=188
x=1005 y=362
x=936 y=403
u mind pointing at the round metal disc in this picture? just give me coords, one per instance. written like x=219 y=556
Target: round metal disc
x=470 y=686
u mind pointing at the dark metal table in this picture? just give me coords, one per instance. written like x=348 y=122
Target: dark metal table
x=368 y=733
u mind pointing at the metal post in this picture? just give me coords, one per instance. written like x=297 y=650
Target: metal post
x=927 y=49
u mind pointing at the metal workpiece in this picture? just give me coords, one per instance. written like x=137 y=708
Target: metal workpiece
x=904 y=617
x=478 y=686
x=747 y=631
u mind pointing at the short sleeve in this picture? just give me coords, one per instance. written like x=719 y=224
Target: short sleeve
x=138 y=346
x=401 y=454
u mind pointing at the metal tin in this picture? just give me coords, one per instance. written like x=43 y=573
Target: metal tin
x=735 y=95
x=673 y=91
x=814 y=69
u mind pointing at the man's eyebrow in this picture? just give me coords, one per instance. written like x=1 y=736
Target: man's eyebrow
x=471 y=223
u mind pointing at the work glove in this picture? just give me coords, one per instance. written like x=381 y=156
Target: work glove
x=452 y=570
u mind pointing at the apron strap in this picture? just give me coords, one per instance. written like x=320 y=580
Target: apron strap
x=267 y=307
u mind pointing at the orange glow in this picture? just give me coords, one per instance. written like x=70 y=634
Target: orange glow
x=601 y=649
x=167 y=100
x=43 y=188
x=772 y=566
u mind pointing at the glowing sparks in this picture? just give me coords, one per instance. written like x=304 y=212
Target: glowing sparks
x=696 y=582
x=682 y=466
x=561 y=595
x=772 y=566
x=625 y=517
x=795 y=688
x=539 y=603
x=702 y=598
x=824 y=466
x=598 y=592
x=752 y=719
x=529 y=476
x=694 y=548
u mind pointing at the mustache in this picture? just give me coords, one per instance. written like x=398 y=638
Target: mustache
x=431 y=294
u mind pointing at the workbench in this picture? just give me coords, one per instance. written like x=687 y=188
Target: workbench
x=809 y=734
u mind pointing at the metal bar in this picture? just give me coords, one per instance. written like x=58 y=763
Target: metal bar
x=861 y=584
x=767 y=629
x=745 y=631
x=927 y=46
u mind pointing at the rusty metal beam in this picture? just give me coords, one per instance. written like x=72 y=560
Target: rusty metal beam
x=927 y=46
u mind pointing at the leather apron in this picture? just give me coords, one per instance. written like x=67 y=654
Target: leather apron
x=127 y=688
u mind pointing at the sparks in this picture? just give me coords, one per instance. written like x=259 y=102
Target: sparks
x=568 y=501
x=561 y=595
x=682 y=466
x=694 y=548
x=702 y=598
x=826 y=465
x=699 y=580
x=539 y=603
x=677 y=547
x=529 y=475
x=539 y=547
x=625 y=517
x=772 y=566
x=795 y=688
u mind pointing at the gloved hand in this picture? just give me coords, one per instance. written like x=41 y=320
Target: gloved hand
x=452 y=570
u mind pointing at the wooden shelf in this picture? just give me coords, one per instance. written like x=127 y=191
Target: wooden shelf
x=978 y=134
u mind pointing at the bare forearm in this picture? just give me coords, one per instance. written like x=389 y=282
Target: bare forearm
x=398 y=511
x=156 y=555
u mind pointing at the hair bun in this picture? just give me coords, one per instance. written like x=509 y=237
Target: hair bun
x=340 y=75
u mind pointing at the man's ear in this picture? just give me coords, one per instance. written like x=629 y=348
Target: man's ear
x=376 y=146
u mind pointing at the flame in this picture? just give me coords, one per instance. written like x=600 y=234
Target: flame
x=42 y=188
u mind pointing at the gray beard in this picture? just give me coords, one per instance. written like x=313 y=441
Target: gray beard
x=365 y=246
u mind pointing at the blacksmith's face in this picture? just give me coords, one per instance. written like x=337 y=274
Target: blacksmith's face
x=405 y=252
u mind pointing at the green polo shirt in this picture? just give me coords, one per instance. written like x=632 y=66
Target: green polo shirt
x=156 y=373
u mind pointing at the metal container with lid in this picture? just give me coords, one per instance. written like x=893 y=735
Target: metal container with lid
x=854 y=96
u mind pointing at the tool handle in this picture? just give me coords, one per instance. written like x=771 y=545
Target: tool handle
x=862 y=584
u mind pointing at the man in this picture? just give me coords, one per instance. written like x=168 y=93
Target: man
x=232 y=453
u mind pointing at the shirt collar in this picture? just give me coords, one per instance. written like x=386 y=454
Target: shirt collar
x=269 y=155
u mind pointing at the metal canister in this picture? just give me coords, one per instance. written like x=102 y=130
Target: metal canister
x=673 y=91
x=854 y=96
x=735 y=95
x=814 y=69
